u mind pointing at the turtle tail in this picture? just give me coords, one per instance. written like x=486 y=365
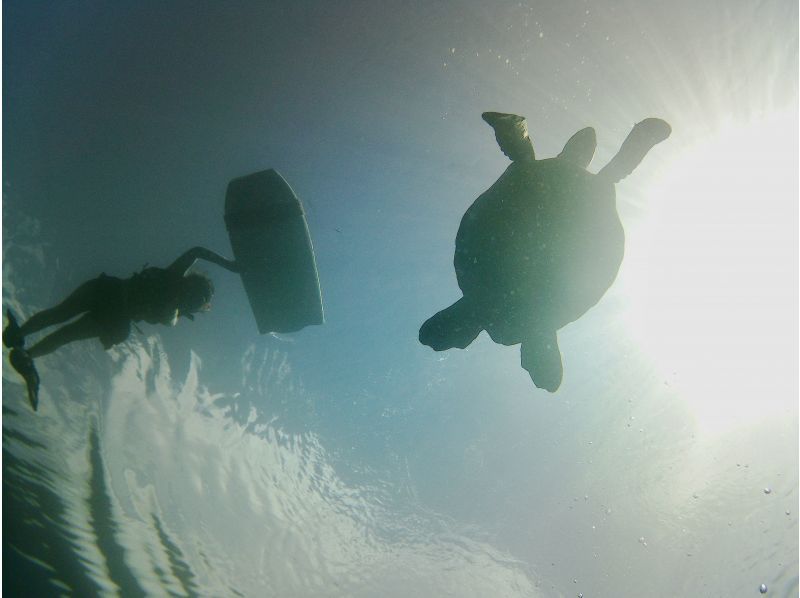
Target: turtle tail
x=454 y=326
x=641 y=140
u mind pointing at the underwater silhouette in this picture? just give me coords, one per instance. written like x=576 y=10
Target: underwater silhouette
x=273 y=256
x=108 y=306
x=540 y=247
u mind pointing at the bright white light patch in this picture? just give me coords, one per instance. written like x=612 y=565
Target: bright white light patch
x=712 y=274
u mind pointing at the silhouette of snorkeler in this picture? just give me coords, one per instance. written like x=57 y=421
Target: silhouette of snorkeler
x=109 y=305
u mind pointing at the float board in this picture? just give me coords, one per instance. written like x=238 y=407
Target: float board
x=272 y=246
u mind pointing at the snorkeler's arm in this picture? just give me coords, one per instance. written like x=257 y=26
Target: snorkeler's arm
x=184 y=262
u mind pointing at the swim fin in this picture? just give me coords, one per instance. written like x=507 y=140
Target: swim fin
x=11 y=335
x=23 y=363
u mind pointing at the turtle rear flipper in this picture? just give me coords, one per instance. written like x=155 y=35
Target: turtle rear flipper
x=511 y=132
x=641 y=139
x=454 y=326
x=580 y=148
x=541 y=356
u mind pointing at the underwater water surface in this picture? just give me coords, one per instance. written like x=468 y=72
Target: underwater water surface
x=348 y=459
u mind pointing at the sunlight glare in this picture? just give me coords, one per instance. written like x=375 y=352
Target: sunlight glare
x=712 y=274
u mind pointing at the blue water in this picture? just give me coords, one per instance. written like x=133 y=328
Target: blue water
x=348 y=459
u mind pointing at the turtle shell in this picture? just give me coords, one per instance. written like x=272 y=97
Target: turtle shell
x=541 y=246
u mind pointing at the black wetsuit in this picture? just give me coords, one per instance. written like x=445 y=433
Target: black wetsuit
x=150 y=295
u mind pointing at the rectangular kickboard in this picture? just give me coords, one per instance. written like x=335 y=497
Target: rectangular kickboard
x=272 y=246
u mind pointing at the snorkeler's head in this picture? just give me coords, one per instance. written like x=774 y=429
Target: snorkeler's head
x=195 y=294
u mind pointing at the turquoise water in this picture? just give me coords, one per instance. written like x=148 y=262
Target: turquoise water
x=348 y=459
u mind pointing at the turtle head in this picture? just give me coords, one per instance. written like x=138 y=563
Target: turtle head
x=511 y=132
x=639 y=141
x=579 y=150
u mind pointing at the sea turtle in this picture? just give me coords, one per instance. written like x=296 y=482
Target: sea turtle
x=540 y=247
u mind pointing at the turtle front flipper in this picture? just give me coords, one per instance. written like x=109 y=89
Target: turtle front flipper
x=511 y=132
x=580 y=148
x=641 y=140
x=541 y=356
x=454 y=326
